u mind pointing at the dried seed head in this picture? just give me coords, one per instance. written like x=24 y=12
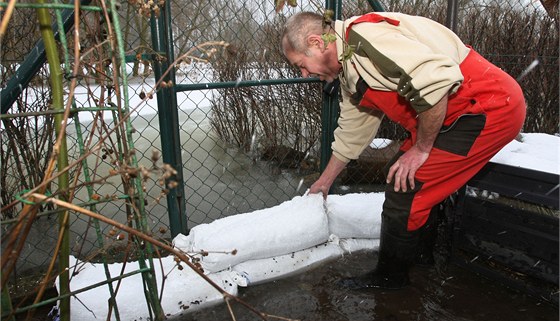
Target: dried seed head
x=132 y=172
x=155 y=155
x=145 y=173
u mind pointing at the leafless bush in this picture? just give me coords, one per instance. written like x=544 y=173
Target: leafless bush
x=26 y=147
x=26 y=142
x=524 y=44
x=266 y=119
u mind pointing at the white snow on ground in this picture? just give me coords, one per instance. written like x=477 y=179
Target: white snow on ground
x=536 y=151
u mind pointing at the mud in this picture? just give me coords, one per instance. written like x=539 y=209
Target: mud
x=446 y=293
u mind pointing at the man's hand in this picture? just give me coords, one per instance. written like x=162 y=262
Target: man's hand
x=323 y=184
x=429 y=125
x=319 y=187
x=405 y=168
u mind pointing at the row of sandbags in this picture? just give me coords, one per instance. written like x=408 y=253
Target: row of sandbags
x=269 y=244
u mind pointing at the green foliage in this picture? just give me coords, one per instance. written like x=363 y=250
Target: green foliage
x=328 y=17
x=348 y=52
x=328 y=38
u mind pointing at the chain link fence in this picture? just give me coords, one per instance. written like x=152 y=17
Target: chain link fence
x=245 y=148
x=245 y=143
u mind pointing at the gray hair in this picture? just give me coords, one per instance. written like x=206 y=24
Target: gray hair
x=298 y=28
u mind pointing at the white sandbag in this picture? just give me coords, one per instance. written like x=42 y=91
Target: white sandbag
x=289 y=227
x=355 y=215
x=350 y=246
x=265 y=270
x=184 y=290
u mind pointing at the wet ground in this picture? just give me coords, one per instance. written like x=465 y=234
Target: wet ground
x=454 y=294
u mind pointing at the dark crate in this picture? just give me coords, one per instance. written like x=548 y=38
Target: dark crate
x=505 y=238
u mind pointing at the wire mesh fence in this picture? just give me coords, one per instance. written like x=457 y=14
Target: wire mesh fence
x=245 y=143
x=230 y=130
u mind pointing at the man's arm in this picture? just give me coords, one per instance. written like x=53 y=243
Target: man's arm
x=356 y=129
x=323 y=184
x=429 y=125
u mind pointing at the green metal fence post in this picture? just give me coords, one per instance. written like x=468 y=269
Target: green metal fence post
x=32 y=64
x=376 y=6
x=330 y=109
x=452 y=10
x=169 y=118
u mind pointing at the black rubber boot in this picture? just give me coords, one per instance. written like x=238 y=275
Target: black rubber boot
x=427 y=240
x=389 y=274
x=396 y=254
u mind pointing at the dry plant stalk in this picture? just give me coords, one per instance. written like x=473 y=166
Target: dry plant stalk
x=6 y=18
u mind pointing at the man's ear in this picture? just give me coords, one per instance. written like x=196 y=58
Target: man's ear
x=316 y=41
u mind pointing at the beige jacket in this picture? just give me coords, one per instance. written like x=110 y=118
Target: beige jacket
x=419 y=58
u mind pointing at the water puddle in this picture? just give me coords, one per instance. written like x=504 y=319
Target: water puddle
x=453 y=295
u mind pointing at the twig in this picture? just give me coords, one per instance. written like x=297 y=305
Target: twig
x=229 y=308
x=6 y=18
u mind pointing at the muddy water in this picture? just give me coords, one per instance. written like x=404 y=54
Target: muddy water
x=453 y=295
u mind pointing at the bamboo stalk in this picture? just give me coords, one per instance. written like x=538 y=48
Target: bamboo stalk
x=61 y=152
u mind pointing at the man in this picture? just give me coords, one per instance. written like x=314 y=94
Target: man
x=459 y=109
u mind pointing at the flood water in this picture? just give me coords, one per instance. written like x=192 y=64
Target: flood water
x=453 y=295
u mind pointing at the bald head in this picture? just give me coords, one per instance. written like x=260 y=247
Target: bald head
x=298 y=28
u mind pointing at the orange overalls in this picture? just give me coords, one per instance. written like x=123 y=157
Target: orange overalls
x=485 y=114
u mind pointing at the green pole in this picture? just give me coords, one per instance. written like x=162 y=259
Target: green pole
x=62 y=154
x=7 y=304
x=330 y=109
x=452 y=11
x=376 y=6
x=169 y=119
x=145 y=250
